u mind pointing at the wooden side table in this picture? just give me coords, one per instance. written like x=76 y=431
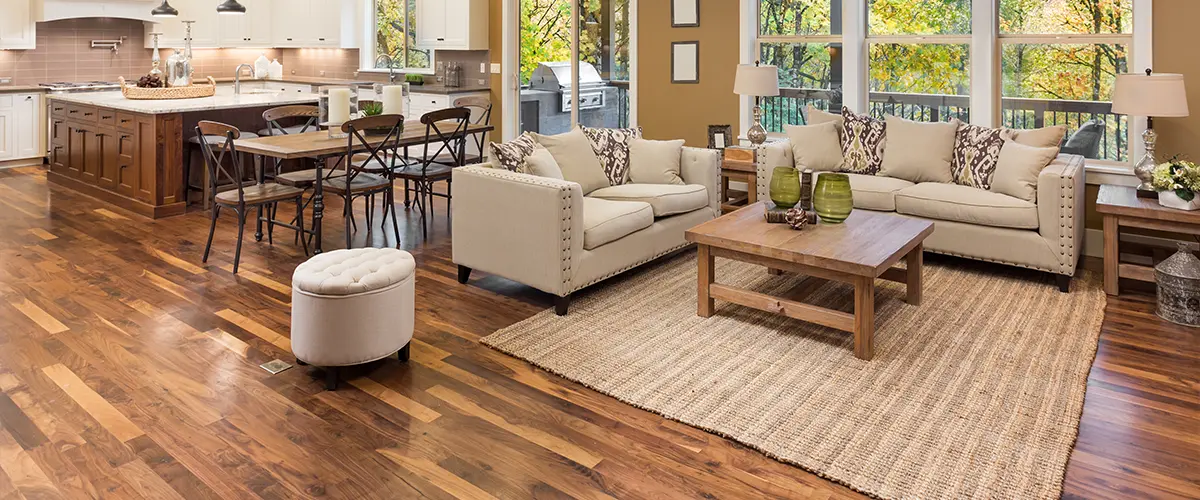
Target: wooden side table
x=1122 y=207
x=738 y=164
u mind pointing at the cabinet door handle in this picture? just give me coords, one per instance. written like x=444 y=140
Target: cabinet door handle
x=58 y=109
x=321 y=39
x=28 y=98
x=88 y=114
x=73 y=111
x=125 y=120
x=441 y=39
x=102 y=117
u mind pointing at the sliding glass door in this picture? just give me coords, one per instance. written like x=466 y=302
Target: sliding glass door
x=574 y=62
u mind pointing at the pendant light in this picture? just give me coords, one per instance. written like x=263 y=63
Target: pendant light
x=231 y=7
x=165 y=10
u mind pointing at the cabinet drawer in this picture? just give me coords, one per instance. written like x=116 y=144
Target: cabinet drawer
x=81 y=113
x=126 y=121
x=429 y=102
x=58 y=109
x=107 y=117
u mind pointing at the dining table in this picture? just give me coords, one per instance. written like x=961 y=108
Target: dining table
x=318 y=146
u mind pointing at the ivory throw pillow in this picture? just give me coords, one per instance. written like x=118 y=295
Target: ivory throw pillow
x=1045 y=137
x=511 y=155
x=612 y=146
x=976 y=151
x=573 y=153
x=816 y=146
x=918 y=151
x=862 y=143
x=655 y=162
x=1018 y=169
x=817 y=117
x=541 y=163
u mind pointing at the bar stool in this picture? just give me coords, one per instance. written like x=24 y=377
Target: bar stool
x=190 y=147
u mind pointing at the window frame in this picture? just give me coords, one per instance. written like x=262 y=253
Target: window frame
x=759 y=40
x=985 y=45
x=367 y=53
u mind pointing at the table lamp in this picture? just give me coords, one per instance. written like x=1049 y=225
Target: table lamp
x=758 y=81
x=1152 y=94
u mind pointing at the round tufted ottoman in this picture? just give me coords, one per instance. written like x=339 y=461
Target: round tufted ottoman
x=351 y=307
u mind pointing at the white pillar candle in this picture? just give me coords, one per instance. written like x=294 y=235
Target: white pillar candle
x=393 y=99
x=339 y=105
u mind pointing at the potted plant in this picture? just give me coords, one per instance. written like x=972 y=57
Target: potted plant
x=1177 y=182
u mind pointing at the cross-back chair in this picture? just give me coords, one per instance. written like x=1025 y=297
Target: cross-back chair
x=481 y=114
x=447 y=128
x=358 y=182
x=223 y=163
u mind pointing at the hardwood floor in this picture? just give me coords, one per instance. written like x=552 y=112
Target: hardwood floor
x=128 y=369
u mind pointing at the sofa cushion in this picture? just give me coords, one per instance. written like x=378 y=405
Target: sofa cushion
x=1018 y=169
x=874 y=192
x=918 y=151
x=817 y=117
x=612 y=146
x=818 y=147
x=655 y=162
x=575 y=157
x=1045 y=137
x=976 y=151
x=607 y=220
x=966 y=204
x=511 y=155
x=664 y=199
x=541 y=163
x=862 y=142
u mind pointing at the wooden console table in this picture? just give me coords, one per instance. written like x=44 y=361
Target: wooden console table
x=1122 y=207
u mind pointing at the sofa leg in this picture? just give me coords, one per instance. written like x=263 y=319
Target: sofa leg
x=561 y=304
x=1064 y=282
x=331 y=378
x=402 y=354
x=464 y=274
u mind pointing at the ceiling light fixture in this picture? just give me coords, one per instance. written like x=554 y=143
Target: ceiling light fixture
x=165 y=10
x=231 y=7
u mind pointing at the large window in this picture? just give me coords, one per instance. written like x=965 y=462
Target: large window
x=1059 y=59
x=803 y=39
x=1038 y=63
x=396 y=37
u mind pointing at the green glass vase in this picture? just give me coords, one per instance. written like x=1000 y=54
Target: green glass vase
x=785 y=187
x=833 y=199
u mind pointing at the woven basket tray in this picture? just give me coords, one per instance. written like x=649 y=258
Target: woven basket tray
x=189 y=92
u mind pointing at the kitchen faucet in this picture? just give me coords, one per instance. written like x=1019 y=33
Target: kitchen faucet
x=390 y=65
x=237 y=77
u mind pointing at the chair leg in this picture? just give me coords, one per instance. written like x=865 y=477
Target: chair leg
x=237 y=254
x=349 y=220
x=300 y=224
x=392 y=207
x=258 y=232
x=273 y=210
x=406 y=202
x=212 y=227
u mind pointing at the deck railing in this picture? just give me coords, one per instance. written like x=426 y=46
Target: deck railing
x=622 y=102
x=788 y=109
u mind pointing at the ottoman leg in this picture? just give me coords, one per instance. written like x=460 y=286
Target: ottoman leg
x=301 y=362
x=331 y=378
x=402 y=354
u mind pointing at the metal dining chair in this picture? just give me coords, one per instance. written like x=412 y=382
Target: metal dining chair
x=481 y=114
x=446 y=127
x=358 y=182
x=302 y=117
x=241 y=197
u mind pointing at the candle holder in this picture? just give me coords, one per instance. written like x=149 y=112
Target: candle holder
x=382 y=97
x=338 y=105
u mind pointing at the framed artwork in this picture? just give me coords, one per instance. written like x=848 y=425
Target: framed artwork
x=685 y=13
x=685 y=62
x=720 y=136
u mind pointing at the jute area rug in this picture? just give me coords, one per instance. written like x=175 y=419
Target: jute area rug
x=976 y=393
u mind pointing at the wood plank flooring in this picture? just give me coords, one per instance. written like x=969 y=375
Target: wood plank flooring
x=128 y=369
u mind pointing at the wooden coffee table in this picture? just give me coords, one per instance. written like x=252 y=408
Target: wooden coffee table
x=858 y=251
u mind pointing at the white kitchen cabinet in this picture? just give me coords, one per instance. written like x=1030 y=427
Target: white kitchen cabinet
x=306 y=23
x=452 y=24
x=251 y=30
x=21 y=126
x=17 y=28
x=206 y=31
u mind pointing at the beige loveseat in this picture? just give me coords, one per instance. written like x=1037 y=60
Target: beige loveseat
x=545 y=233
x=975 y=223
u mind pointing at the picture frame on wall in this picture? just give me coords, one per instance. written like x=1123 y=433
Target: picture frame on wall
x=720 y=136
x=685 y=13
x=685 y=62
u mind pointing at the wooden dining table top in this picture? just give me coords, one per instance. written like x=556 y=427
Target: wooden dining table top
x=317 y=143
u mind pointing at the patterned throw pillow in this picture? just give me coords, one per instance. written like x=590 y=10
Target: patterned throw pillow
x=511 y=155
x=976 y=154
x=862 y=143
x=612 y=146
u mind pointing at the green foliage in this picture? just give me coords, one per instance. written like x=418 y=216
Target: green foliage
x=919 y=17
x=370 y=108
x=395 y=34
x=1180 y=176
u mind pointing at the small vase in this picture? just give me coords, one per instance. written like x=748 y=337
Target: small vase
x=1171 y=200
x=833 y=199
x=785 y=187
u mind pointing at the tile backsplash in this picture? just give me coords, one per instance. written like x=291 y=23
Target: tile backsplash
x=64 y=53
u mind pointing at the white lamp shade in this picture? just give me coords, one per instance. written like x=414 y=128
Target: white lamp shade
x=1155 y=95
x=762 y=81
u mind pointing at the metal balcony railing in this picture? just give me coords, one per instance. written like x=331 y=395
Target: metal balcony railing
x=622 y=102
x=788 y=109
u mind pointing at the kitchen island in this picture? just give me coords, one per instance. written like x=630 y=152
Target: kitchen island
x=131 y=152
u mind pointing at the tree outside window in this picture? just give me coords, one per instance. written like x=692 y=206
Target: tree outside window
x=395 y=35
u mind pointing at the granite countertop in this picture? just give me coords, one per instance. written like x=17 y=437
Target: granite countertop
x=311 y=80
x=11 y=89
x=437 y=88
x=224 y=99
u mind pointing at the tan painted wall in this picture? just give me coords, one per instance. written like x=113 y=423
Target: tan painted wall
x=684 y=111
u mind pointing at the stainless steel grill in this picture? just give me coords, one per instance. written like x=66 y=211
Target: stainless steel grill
x=556 y=77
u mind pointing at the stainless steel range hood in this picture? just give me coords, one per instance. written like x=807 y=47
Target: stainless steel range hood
x=54 y=10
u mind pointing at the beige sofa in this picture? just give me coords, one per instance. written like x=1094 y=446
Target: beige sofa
x=974 y=223
x=545 y=233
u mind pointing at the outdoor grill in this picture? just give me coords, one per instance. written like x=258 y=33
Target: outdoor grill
x=556 y=77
